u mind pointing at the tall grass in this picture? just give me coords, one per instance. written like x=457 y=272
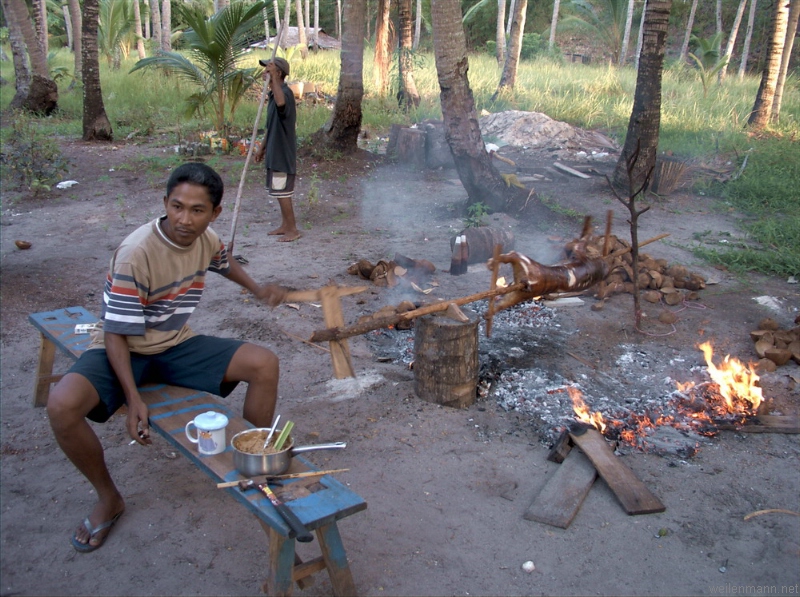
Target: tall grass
x=590 y=96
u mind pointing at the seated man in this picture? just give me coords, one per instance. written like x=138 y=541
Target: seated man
x=155 y=280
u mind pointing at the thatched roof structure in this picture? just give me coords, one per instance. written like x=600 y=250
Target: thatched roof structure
x=292 y=38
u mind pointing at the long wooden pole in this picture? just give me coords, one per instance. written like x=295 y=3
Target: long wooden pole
x=357 y=329
x=237 y=205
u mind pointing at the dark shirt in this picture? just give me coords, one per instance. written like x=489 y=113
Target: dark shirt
x=281 y=153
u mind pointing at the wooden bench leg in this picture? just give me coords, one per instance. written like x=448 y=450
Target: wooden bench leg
x=280 y=564
x=44 y=372
x=336 y=560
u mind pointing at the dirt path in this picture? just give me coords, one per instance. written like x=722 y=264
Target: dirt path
x=446 y=488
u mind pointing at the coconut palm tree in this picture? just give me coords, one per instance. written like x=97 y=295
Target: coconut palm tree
x=115 y=28
x=762 y=108
x=607 y=21
x=215 y=45
x=96 y=125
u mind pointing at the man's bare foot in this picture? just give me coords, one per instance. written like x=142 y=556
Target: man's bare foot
x=277 y=232
x=101 y=514
x=290 y=236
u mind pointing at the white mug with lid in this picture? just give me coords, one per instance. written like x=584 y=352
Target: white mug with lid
x=210 y=427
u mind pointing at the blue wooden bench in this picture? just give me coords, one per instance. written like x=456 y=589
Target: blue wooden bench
x=319 y=502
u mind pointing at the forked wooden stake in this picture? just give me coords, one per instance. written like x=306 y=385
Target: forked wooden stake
x=495 y=268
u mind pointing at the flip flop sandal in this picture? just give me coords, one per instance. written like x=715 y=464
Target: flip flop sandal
x=87 y=547
x=240 y=259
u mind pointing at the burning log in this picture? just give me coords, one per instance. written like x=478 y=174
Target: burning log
x=481 y=241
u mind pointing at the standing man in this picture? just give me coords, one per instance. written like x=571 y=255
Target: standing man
x=155 y=280
x=279 y=150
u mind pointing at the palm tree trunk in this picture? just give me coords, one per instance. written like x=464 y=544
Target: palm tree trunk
x=509 y=76
x=645 y=121
x=166 y=25
x=639 y=39
x=417 y=25
x=316 y=25
x=751 y=19
x=510 y=12
x=688 y=35
x=341 y=132
x=301 y=29
x=718 y=17
x=553 y=25
x=732 y=39
x=40 y=22
x=762 y=108
x=480 y=178
x=500 y=32
x=276 y=12
x=155 y=16
x=96 y=126
x=407 y=95
x=137 y=17
x=146 y=20
x=382 y=48
x=791 y=31
x=623 y=54
x=22 y=74
x=339 y=20
x=77 y=36
x=67 y=25
x=42 y=96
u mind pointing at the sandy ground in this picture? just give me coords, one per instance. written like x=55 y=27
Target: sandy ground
x=446 y=488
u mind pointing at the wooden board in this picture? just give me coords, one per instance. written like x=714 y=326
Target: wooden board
x=766 y=424
x=561 y=498
x=630 y=491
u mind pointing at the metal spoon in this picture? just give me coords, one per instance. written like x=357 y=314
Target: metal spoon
x=271 y=431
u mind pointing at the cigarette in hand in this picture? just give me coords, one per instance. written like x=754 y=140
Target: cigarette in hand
x=141 y=434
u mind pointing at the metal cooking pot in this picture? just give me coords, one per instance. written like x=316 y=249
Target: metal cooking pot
x=276 y=463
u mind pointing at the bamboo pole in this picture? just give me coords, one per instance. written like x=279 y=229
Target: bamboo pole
x=237 y=205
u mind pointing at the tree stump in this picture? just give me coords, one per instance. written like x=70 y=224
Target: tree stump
x=446 y=359
x=410 y=147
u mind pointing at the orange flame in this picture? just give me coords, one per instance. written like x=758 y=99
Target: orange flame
x=737 y=382
x=582 y=411
x=501 y=282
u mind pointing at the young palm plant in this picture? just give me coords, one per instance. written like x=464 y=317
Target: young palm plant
x=605 y=19
x=115 y=31
x=708 y=62
x=215 y=46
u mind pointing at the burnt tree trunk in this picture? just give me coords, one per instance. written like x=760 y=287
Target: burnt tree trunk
x=446 y=360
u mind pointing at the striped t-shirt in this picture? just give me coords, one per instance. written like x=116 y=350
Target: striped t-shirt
x=154 y=285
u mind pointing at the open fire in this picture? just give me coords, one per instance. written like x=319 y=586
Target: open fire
x=732 y=395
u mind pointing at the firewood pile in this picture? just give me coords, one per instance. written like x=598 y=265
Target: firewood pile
x=775 y=346
x=658 y=280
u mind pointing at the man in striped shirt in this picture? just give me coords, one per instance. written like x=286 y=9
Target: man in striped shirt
x=155 y=280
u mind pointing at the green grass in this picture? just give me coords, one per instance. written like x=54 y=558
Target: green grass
x=693 y=126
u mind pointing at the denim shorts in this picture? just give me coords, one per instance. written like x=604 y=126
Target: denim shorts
x=198 y=363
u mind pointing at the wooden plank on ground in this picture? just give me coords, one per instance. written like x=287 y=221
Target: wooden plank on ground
x=766 y=424
x=569 y=170
x=561 y=498
x=630 y=491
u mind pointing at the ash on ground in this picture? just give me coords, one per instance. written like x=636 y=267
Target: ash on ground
x=639 y=402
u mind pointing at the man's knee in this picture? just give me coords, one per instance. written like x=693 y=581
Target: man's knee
x=253 y=363
x=70 y=399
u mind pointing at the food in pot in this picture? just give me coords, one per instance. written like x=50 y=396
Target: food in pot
x=253 y=443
